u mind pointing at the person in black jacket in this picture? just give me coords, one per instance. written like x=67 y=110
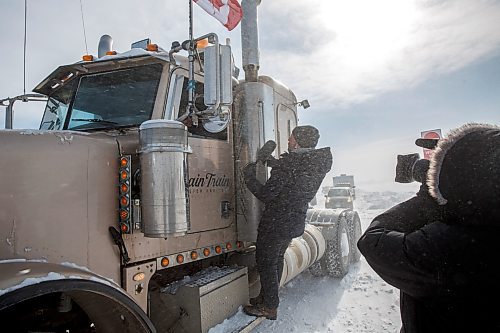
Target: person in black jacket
x=295 y=179
x=440 y=247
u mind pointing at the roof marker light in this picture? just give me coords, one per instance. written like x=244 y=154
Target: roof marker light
x=152 y=47
x=201 y=44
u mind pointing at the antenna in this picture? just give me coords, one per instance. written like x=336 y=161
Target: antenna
x=191 y=81
x=83 y=24
x=25 y=35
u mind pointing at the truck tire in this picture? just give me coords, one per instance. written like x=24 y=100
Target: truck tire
x=354 y=228
x=336 y=259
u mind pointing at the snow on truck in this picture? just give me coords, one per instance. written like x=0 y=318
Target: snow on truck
x=127 y=210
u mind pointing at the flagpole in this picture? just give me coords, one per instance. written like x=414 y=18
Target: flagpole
x=191 y=81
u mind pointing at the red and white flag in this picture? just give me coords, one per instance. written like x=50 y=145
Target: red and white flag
x=228 y=12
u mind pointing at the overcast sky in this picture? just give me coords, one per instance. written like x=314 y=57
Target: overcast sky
x=376 y=73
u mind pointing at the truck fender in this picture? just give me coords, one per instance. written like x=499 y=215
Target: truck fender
x=327 y=220
x=103 y=301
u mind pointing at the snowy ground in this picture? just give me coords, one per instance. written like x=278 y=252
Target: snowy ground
x=360 y=302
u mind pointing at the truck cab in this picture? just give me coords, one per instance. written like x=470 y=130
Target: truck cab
x=339 y=197
x=127 y=211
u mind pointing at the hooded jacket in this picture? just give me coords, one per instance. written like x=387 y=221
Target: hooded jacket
x=440 y=247
x=294 y=181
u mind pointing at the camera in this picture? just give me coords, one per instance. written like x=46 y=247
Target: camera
x=411 y=167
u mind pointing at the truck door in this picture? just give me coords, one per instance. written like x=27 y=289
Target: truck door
x=210 y=166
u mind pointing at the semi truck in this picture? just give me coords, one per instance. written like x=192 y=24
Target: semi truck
x=126 y=211
x=342 y=194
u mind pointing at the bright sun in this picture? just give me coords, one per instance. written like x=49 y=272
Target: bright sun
x=368 y=32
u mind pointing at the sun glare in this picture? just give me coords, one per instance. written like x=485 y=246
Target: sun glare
x=368 y=32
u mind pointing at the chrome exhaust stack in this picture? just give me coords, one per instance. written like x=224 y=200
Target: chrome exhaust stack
x=250 y=40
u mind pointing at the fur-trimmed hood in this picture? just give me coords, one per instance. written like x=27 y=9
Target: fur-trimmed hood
x=464 y=173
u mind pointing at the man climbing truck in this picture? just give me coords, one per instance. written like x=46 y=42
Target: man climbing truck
x=117 y=217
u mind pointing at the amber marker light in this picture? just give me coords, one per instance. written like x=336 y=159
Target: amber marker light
x=165 y=262
x=123 y=162
x=194 y=255
x=124 y=175
x=124 y=227
x=88 y=57
x=206 y=252
x=218 y=249
x=124 y=188
x=152 y=47
x=239 y=244
x=123 y=214
x=229 y=246
x=180 y=258
x=111 y=53
x=201 y=44
x=124 y=201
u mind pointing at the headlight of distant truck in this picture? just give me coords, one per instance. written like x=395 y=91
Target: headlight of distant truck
x=349 y=199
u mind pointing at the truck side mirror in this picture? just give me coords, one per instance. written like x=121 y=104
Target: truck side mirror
x=218 y=68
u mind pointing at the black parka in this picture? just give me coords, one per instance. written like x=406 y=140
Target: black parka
x=294 y=181
x=445 y=258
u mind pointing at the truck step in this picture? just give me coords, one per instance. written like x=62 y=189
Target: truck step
x=210 y=296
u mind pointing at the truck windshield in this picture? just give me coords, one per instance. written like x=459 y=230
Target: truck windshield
x=57 y=107
x=338 y=192
x=106 y=100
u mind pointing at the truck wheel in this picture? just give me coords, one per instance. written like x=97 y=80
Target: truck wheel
x=336 y=258
x=354 y=228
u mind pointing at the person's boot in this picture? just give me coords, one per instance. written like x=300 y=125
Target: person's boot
x=261 y=311
x=256 y=300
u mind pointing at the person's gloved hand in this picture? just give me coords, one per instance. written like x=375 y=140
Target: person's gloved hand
x=265 y=151
x=249 y=170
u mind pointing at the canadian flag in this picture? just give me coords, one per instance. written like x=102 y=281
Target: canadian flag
x=228 y=12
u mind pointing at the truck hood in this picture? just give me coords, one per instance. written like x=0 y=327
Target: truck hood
x=58 y=196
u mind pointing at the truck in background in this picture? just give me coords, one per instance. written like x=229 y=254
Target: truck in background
x=342 y=194
x=127 y=210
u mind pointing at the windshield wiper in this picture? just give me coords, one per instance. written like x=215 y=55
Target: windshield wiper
x=93 y=120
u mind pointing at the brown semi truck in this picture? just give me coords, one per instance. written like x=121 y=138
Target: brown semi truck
x=126 y=210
